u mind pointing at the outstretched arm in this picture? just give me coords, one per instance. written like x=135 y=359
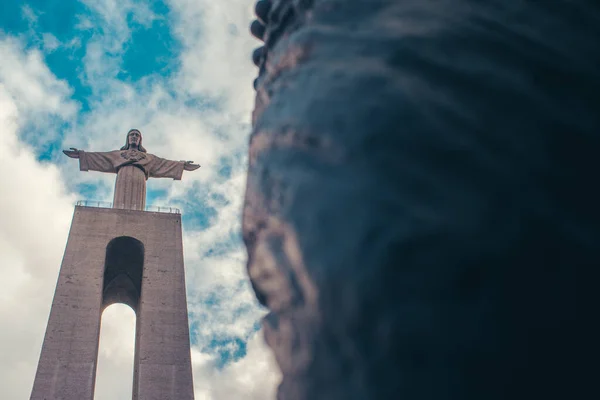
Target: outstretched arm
x=163 y=168
x=92 y=161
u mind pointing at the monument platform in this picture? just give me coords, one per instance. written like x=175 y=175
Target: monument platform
x=126 y=256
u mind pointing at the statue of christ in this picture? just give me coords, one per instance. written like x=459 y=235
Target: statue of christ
x=133 y=166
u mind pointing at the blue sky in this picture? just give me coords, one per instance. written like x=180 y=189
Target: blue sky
x=81 y=74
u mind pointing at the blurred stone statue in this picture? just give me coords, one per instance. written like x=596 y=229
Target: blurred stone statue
x=133 y=166
x=421 y=213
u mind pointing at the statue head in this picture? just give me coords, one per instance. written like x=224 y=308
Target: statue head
x=134 y=140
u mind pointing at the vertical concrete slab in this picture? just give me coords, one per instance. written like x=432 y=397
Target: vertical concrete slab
x=67 y=365
x=163 y=343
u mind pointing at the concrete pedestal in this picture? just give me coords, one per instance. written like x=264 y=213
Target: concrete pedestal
x=127 y=256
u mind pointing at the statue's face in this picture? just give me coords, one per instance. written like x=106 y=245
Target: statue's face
x=134 y=138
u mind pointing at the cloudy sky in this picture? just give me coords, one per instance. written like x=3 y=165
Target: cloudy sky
x=81 y=74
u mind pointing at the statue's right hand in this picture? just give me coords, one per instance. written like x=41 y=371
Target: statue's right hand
x=73 y=152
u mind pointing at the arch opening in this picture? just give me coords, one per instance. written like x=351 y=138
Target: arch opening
x=116 y=353
x=124 y=267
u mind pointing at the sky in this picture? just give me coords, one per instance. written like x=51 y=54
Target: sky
x=81 y=74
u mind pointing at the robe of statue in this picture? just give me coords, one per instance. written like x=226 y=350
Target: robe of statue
x=133 y=168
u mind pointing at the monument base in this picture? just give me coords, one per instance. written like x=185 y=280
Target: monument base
x=125 y=256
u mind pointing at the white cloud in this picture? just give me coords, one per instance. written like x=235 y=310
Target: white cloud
x=216 y=60
x=29 y=83
x=50 y=42
x=251 y=378
x=35 y=210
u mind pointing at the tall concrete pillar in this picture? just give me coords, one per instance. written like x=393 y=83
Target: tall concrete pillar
x=119 y=256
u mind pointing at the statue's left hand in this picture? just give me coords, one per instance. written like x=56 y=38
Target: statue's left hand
x=190 y=166
x=73 y=152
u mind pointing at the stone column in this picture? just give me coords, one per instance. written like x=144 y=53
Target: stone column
x=163 y=359
x=67 y=365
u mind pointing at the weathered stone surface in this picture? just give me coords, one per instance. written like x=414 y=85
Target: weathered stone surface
x=421 y=216
x=144 y=269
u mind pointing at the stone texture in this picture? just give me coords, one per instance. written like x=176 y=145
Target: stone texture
x=421 y=216
x=67 y=365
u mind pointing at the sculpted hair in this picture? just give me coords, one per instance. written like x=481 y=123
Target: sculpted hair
x=126 y=147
